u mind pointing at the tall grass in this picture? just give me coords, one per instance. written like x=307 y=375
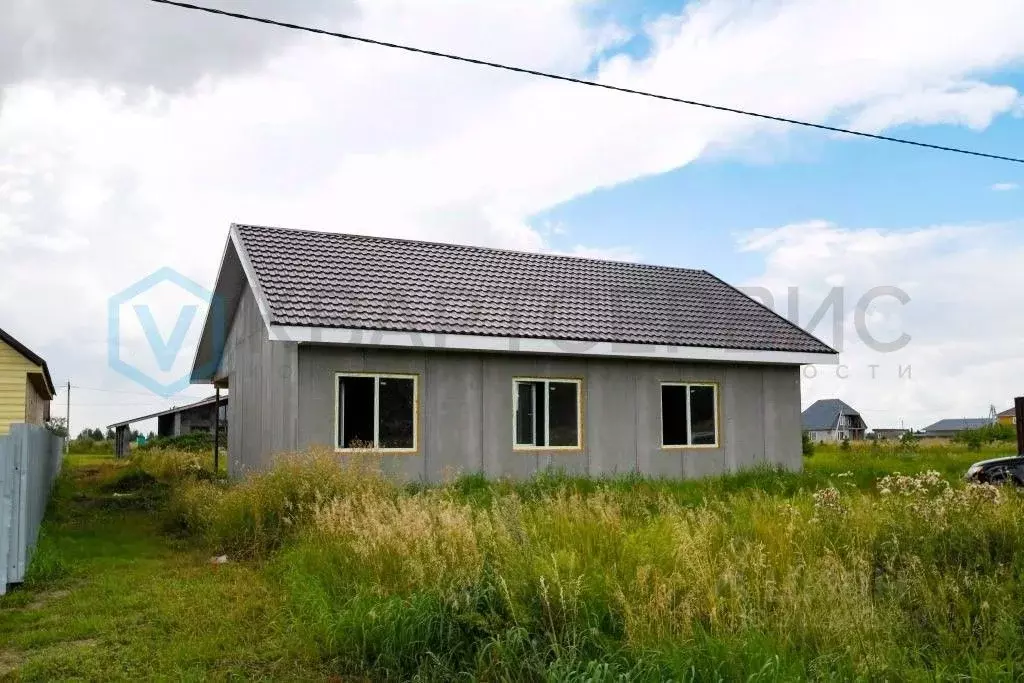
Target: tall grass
x=761 y=575
x=846 y=584
x=261 y=513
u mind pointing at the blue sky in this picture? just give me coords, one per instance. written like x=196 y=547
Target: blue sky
x=691 y=217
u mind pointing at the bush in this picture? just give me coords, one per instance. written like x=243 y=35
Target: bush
x=910 y=440
x=174 y=467
x=88 y=446
x=807 y=444
x=972 y=438
x=257 y=515
x=48 y=565
x=196 y=442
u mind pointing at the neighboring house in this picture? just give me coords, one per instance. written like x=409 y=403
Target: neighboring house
x=1007 y=417
x=26 y=387
x=950 y=427
x=889 y=433
x=175 y=421
x=446 y=359
x=831 y=420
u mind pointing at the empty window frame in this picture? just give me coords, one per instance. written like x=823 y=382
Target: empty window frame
x=689 y=415
x=547 y=413
x=376 y=412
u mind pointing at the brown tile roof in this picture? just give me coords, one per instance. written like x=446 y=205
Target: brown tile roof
x=321 y=279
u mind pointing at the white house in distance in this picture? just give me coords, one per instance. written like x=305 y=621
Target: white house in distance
x=831 y=420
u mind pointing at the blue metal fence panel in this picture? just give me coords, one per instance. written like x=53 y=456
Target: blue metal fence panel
x=30 y=460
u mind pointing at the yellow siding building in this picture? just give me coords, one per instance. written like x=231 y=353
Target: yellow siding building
x=1007 y=417
x=26 y=387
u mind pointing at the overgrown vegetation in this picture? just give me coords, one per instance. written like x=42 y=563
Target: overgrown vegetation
x=111 y=596
x=846 y=570
x=196 y=442
x=806 y=444
x=974 y=439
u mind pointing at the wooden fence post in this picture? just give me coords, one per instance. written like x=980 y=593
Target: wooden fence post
x=1018 y=411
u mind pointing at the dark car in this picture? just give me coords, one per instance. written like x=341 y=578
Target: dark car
x=1008 y=470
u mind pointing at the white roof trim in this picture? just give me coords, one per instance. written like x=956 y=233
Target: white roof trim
x=250 y=275
x=465 y=342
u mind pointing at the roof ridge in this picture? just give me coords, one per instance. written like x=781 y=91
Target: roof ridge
x=473 y=247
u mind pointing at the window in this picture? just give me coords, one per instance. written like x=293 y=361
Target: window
x=547 y=413
x=376 y=412
x=689 y=415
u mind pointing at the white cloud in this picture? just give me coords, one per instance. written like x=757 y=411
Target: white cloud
x=964 y=349
x=1005 y=187
x=140 y=44
x=970 y=104
x=605 y=253
x=322 y=134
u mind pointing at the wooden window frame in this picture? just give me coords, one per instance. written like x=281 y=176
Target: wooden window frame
x=689 y=422
x=377 y=376
x=525 y=448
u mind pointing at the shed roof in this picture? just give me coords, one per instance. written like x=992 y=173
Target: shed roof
x=172 y=410
x=958 y=424
x=333 y=280
x=824 y=413
x=1009 y=412
x=32 y=357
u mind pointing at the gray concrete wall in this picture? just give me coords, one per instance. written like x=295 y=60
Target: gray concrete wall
x=465 y=413
x=197 y=419
x=262 y=380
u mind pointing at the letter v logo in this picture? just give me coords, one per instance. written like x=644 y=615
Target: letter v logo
x=166 y=351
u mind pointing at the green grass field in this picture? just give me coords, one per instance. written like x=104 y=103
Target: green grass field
x=336 y=573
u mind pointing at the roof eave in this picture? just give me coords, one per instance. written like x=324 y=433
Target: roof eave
x=32 y=357
x=557 y=347
x=170 y=411
x=213 y=340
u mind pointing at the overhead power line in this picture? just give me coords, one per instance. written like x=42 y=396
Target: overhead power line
x=150 y=394
x=582 y=81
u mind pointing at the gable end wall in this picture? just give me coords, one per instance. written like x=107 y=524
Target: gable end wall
x=262 y=378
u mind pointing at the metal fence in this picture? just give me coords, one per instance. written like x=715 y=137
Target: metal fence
x=30 y=459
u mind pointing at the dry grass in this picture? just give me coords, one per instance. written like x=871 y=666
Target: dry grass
x=847 y=571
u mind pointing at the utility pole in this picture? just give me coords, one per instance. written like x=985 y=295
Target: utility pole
x=67 y=420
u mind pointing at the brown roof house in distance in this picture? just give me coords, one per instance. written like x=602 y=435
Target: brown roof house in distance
x=447 y=359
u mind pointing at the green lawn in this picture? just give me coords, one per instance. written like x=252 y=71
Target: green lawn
x=114 y=597
x=436 y=589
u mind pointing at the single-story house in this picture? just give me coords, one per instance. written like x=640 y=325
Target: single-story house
x=950 y=427
x=201 y=416
x=443 y=359
x=830 y=420
x=26 y=387
x=1007 y=417
x=889 y=433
